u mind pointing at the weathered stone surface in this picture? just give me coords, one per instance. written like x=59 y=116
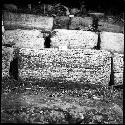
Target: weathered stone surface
x=73 y=39
x=118 y=63
x=27 y=21
x=61 y=22
x=7 y=57
x=24 y=38
x=108 y=27
x=79 y=22
x=72 y=65
x=113 y=42
x=118 y=78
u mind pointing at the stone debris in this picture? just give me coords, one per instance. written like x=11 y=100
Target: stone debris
x=70 y=65
x=73 y=39
x=113 y=42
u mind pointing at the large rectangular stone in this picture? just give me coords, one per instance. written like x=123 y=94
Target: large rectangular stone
x=88 y=66
x=61 y=22
x=24 y=38
x=26 y=21
x=73 y=39
x=80 y=23
x=108 y=27
x=7 y=57
x=113 y=42
x=118 y=63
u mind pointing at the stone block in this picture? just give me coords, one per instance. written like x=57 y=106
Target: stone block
x=24 y=38
x=73 y=39
x=86 y=66
x=118 y=63
x=113 y=42
x=108 y=27
x=27 y=21
x=7 y=57
x=61 y=22
x=80 y=23
x=118 y=78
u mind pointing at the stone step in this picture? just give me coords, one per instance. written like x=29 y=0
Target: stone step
x=26 y=21
x=73 y=39
x=70 y=65
x=113 y=42
x=24 y=38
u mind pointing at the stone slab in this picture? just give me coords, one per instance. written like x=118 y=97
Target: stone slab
x=108 y=27
x=61 y=22
x=80 y=23
x=88 y=66
x=73 y=39
x=24 y=38
x=27 y=21
x=113 y=42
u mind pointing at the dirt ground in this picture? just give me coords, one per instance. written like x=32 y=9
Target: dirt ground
x=35 y=103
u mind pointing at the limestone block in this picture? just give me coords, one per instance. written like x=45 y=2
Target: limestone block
x=27 y=21
x=61 y=22
x=79 y=22
x=7 y=57
x=73 y=39
x=113 y=42
x=108 y=27
x=24 y=38
x=118 y=63
x=67 y=65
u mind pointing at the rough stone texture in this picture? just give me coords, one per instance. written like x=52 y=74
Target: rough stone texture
x=113 y=42
x=72 y=65
x=73 y=39
x=7 y=57
x=30 y=21
x=24 y=38
x=79 y=22
x=61 y=22
x=118 y=62
x=106 y=26
x=118 y=78
x=118 y=67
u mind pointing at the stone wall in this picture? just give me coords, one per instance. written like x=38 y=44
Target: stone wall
x=73 y=62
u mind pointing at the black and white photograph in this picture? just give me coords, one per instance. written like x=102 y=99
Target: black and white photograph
x=62 y=61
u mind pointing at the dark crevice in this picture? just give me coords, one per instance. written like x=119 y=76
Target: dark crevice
x=13 y=71
x=47 y=41
x=111 y=82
